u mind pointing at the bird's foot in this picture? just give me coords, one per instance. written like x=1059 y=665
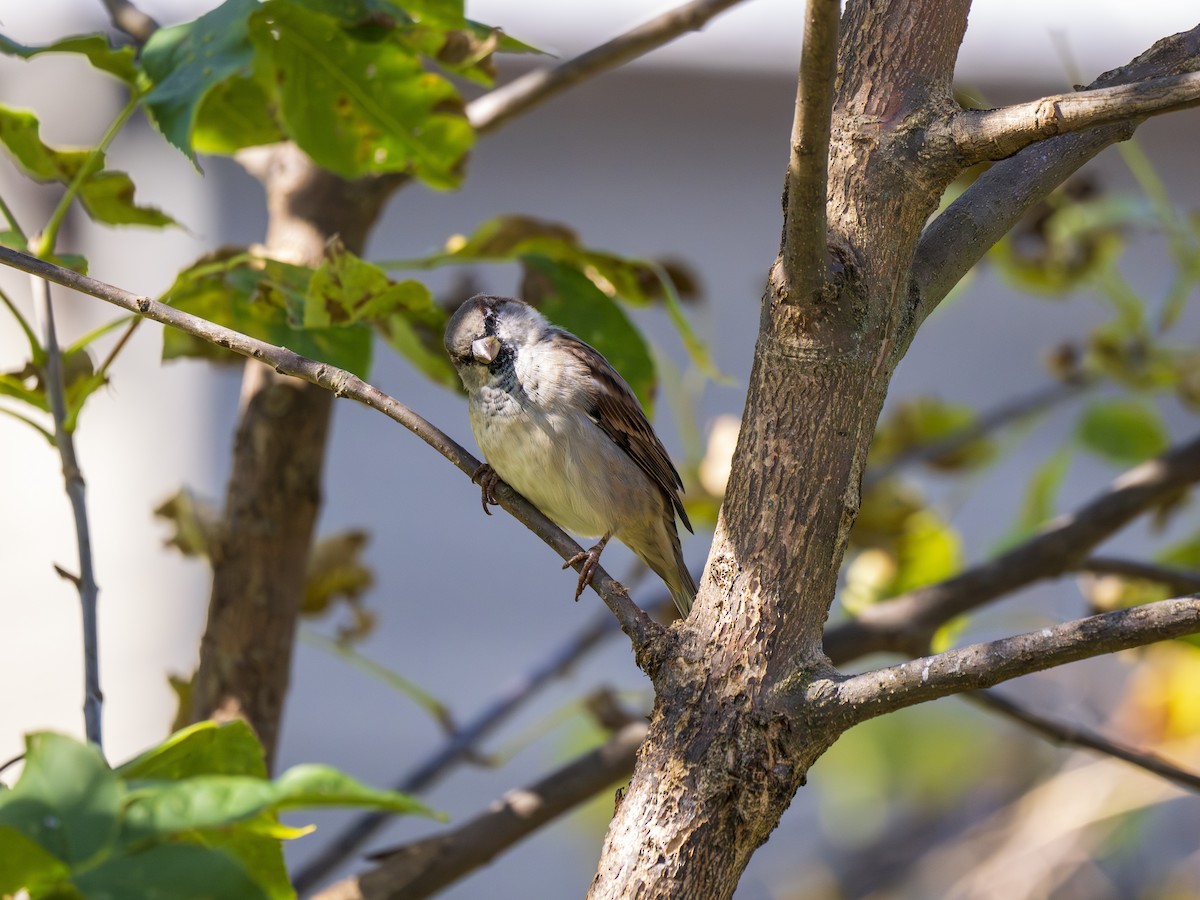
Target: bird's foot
x=487 y=479
x=591 y=562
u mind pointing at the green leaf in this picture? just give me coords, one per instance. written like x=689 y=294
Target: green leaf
x=1040 y=503
x=171 y=872
x=106 y=195
x=108 y=198
x=119 y=62
x=1123 y=431
x=262 y=298
x=25 y=864
x=205 y=748
x=359 y=107
x=66 y=800
x=574 y=302
x=346 y=289
x=313 y=785
x=187 y=62
x=929 y=550
x=155 y=810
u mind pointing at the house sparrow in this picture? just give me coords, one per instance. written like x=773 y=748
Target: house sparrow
x=562 y=428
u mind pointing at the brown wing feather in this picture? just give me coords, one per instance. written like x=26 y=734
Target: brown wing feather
x=614 y=407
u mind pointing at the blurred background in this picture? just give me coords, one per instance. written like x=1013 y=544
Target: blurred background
x=680 y=156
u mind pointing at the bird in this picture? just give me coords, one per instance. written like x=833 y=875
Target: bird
x=562 y=428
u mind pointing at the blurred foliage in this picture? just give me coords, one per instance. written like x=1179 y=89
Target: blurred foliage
x=337 y=576
x=194 y=817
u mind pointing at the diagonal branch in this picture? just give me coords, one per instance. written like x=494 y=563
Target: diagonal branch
x=907 y=622
x=808 y=167
x=1079 y=736
x=959 y=237
x=1015 y=409
x=871 y=694
x=988 y=134
x=425 y=867
x=642 y=630
x=496 y=107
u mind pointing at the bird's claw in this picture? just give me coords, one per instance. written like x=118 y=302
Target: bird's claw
x=487 y=479
x=591 y=562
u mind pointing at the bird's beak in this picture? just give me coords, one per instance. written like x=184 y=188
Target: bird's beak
x=485 y=349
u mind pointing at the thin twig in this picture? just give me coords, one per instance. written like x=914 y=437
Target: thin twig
x=642 y=630
x=862 y=697
x=496 y=107
x=1027 y=406
x=131 y=20
x=983 y=134
x=905 y=623
x=461 y=746
x=808 y=166
x=1079 y=736
x=423 y=868
x=85 y=581
x=1177 y=580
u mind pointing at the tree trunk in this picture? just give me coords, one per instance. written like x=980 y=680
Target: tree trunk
x=274 y=490
x=724 y=758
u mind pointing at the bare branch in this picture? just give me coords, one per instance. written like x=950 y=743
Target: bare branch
x=874 y=693
x=959 y=237
x=1016 y=409
x=85 y=581
x=421 y=869
x=804 y=227
x=131 y=20
x=642 y=630
x=1079 y=736
x=907 y=622
x=496 y=107
x=1179 y=581
x=983 y=134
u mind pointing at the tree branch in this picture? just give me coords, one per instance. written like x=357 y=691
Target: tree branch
x=85 y=581
x=959 y=237
x=423 y=868
x=988 y=134
x=1079 y=736
x=804 y=229
x=642 y=630
x=1179 y=581
x=495 y=108
x=871 y=694
x=906 y=623
x=1014 y=410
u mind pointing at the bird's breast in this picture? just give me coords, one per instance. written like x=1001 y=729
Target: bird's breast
x=563 y=464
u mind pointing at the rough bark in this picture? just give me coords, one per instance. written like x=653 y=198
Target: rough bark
x=275 y=485
x=722 y=760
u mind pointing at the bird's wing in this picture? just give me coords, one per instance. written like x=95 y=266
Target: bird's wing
x=611 y=404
